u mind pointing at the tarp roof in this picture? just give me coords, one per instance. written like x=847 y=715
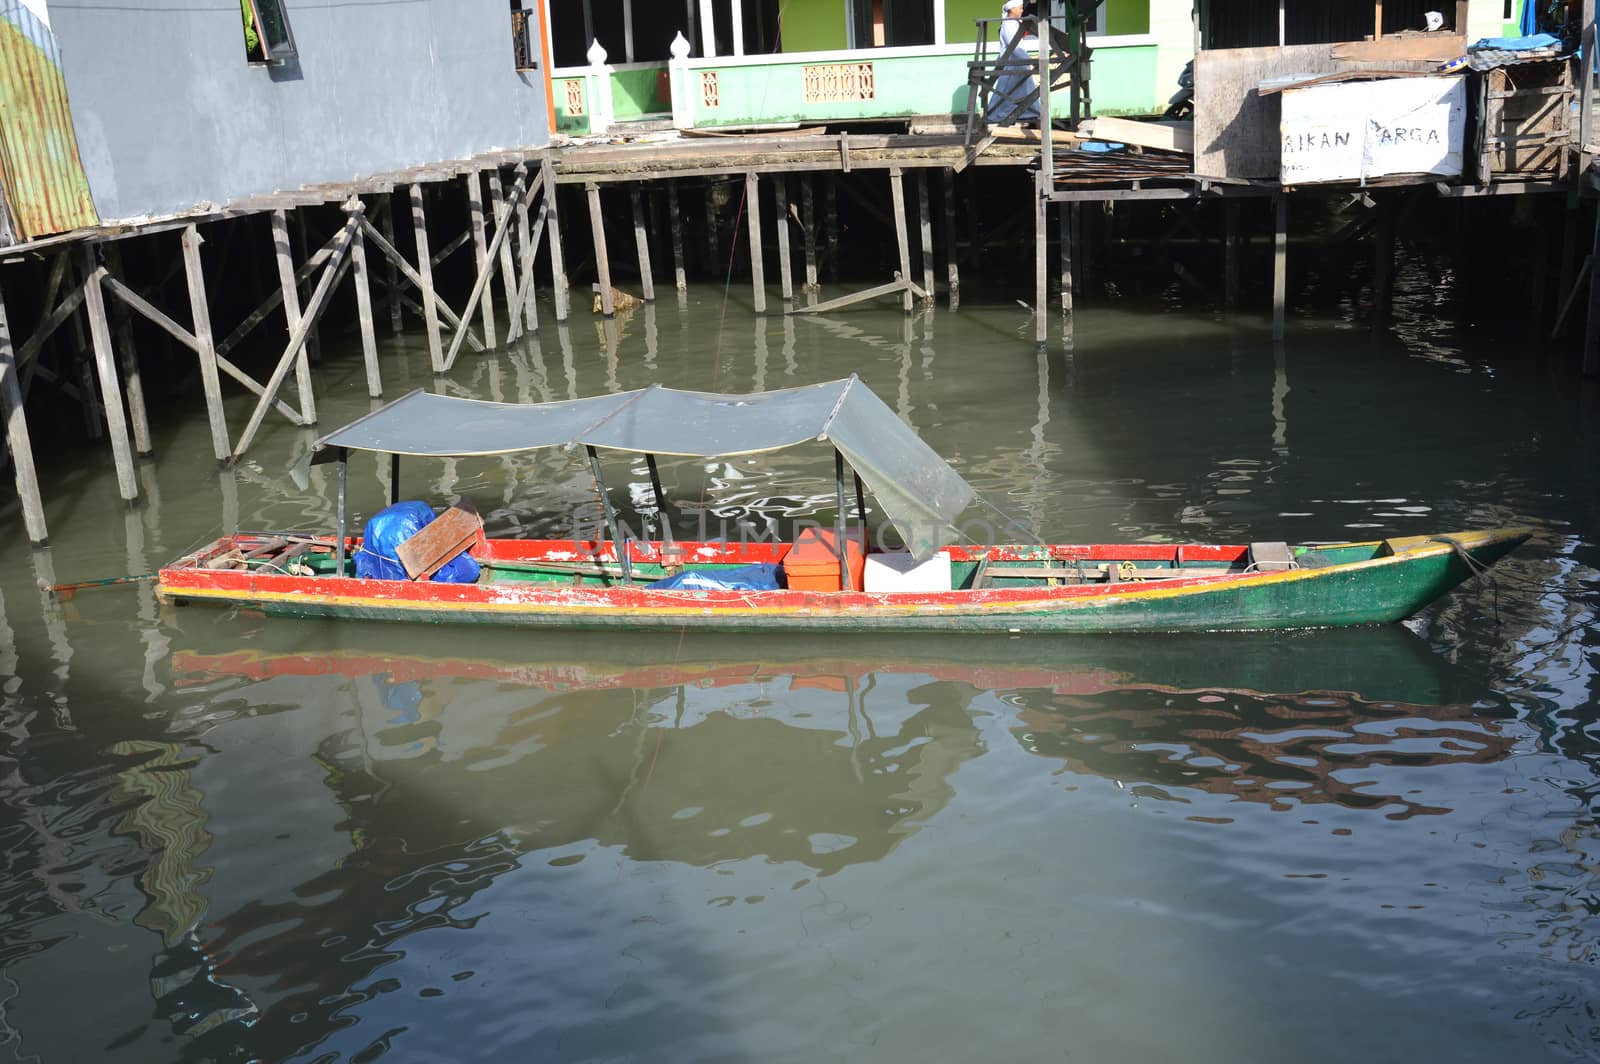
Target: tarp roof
x=917 y=489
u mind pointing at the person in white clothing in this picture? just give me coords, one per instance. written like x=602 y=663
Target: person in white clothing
x=1004 y=108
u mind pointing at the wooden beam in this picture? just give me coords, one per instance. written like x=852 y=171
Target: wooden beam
x=752 y=206
x=927 y=235
x=412 y=277
x=558 y=268
x=530 y=321
x=1280 y=264
x=297 y=341
x=17 y=438
x=1064 y=215
x=122 y=337
x=508 y=273
x=892 y=288
x=1041 y=205
x=362 y=280
x=50 y=324
x=602 y=260
x=525 y=294
x=676 y=222
x=424 y=282
x=902 y=239
x=952 y=270
x=482 y=257
x=480 y=287
x=1591 y=333
x=391 y=274
x=808 y=227
x=200 y=314
x=780 y=200
x=1230 y=255
x=641 y=243
x=291 y=311
x=106 y=368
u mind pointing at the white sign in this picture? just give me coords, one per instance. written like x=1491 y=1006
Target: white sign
x=1355 y=130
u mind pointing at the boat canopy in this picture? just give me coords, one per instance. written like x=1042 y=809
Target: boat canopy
x=917 y=489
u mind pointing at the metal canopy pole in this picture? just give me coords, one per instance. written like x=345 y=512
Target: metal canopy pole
x=839 y=523
x=394 y=479
x=344 y=471
x=605 y=499
x=661 y=497
x=861 y=511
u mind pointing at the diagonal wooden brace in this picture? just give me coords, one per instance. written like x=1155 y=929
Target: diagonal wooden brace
x=518 y=194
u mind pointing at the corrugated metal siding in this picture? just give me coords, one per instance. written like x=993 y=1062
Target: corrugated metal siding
x=44 y=183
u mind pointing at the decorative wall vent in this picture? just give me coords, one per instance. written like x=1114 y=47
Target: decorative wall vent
x=709 y=93
x=839 y=82
x=574 y=90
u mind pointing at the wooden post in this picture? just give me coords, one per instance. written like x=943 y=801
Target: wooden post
x=391 y=273
x=1041 y=325
x=123 y=335
x=927 y=235
x=1230 y=254
x=480 y=244
x=1064 y=213
x=780 y=199
x=758 y=277
x=362 y=279
x=898 y=191
x=1280 y=263
x=558 y=262
x=602 y=261
x=430 y=309
x=200 y=314
x=713 y=239
x=529 y=252
x=953 y=272
x=18 y=440
x=94 y=305
x=291 y=312
x=508 y=272
x=808 y=236
x=641 y=242
x=314 y=339
x=676 y=219
x=1082 y=225
x=480 y=286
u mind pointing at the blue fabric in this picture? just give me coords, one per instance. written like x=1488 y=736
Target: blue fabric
x=744 y=578
x=387 y=529
x=1100 y=146
x=1516 y=44
x=1530 y=17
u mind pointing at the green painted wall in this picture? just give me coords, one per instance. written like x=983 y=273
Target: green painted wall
x=566 y=123
x=814 y=26
x=1127 y=16
x=641 y=92
x=1124 y=83
x=1122 y=16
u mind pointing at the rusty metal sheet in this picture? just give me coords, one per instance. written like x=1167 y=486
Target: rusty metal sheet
x=45 y=187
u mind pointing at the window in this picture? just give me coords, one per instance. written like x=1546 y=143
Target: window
x=266 y=31
x=522 y=40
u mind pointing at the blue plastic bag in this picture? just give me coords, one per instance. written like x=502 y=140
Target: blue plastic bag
x=387 y=529
x=744 y=578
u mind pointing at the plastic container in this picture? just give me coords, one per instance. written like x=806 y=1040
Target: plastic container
x=812 y=564
x=896 y=571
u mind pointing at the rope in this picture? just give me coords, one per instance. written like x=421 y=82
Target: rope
x=1474 y=566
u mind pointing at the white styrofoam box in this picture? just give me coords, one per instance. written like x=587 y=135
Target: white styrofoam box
x=895 y=571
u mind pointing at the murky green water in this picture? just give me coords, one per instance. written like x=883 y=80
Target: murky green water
x=227 y=837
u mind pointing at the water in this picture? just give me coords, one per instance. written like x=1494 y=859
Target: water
x=227 y=837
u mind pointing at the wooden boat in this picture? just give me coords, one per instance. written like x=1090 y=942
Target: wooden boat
x=605 y=582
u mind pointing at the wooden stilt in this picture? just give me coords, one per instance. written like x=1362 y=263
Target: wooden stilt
x=391 y=273
x=558 y=263
x=291 y=312
x=358 y=272
x=1280 y=264
x=530 y=309
x=780 y=200
x=480 y=244
x=200 y=314
x=1064 y=212
x=480 y=286
x=675 y=219
x=387 y=250
x=902 y=239
x=18 y=440
x=808 y=225
x=94 y=306
x=1591 y=332
x=430 y=311
x=927 y=234
x=974 y=244
x=952 y=271
x=94 y=419
x=830 y=207
x=1082 y=226
x=641 y=241
x=602 y=260
x=1041 y=324
x=314 y=339
x=752 y=206
x=122 y=334
x=508 y=272
x=1230 y=255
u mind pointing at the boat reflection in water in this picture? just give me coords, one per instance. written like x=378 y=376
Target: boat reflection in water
x=472 y=783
